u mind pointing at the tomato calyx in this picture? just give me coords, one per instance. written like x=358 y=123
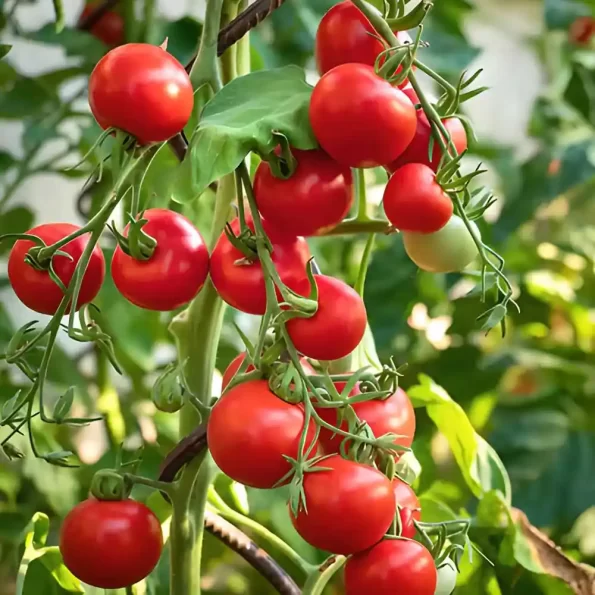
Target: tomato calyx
x=297 y=496
x=169 y=393
x=137 y=243
x=281 y=160
x=110 y=485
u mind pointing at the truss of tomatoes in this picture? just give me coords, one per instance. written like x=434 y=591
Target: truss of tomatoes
x=360 y=121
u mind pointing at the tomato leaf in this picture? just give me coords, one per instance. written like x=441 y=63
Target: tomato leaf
x=244 y=116
x=480 y=465
x=17 y=220
x=6 y=161
x=4 y=49
x=50 y=557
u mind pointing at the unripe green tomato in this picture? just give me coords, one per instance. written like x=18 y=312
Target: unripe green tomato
x=168 y=396
x=448 y=250
x=447 y=578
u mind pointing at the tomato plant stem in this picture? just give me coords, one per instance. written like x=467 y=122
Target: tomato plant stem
x=318 y=580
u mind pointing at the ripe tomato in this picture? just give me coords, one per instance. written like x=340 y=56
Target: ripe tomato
x=251 y=429
x=448 y=250
x=582 y=31
x=143 y=90
x=240 y=282
x=317 y=196
x=338 y=325
x=349 y=508
x=176 y=271
x=345 y=35
x=392 y=566
x=111 y=545
x=410 y=506
x=418 y=150
x=235 y=364
x=394 y=415
x=360 y=119
x=414 y=201
x=35 y=288
x=109 y=28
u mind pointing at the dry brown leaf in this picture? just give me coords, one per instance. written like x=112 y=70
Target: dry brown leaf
x=580 y=577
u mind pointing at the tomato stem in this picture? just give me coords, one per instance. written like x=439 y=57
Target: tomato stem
x=318 y=580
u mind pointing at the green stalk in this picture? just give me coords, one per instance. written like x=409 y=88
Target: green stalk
x=197 y=332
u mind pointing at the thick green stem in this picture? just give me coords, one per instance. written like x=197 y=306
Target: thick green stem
x=319 y=579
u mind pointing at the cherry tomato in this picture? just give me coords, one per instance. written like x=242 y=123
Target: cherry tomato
x=447 y=578
x=235 y=364
x=317 y=196
x=360 y=119
x=392 y=566
x=410 y=506
x=448 y=250
x=240 y=282
x=418 y=150
x=349 y=507
x=35 y=288
x=338 y=325
x=582 y=31
x=251 y=429
x=345 y=35
x=394 y=415
x=143 y=90
x=414 y=201
x=175 y=272
x=111 y=545
x=109 y=28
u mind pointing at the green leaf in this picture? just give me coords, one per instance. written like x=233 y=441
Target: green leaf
x=580 y=92
x=30 y=578
x=26 y=97
x=480 y=465
x=182 y=37
x=6 y=161
x=243 y=117
x=16 y=220
x=4 y=49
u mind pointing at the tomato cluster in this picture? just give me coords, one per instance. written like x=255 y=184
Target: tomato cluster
x=168 y=279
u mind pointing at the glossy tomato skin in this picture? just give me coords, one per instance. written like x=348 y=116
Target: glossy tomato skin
x=35 y=288
x=338 y=325
x=414 y=201
x=235 y=364
x=349 y=508
x=109 y=28
x=316 y=197
x=394 y=415
x=360 y=119
x=143 y=90
x=448 y=250
x=249 y=431
x=418 y=150
x=176 y=271
x=410 y=507
x=241 y=284
x=392 y=566
x=111 y=545
x=345 y=36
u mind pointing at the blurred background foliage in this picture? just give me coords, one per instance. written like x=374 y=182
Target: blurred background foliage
x=531 y=393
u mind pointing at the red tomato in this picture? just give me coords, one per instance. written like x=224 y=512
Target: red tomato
x=111 y=545
x=582 y=31
x=35 y=288
x=251 y=429
x=240 y=282
x=143 y=90
x=338 y=325
x=109 y=28
x=349 y=508
x=360 y=119
x=418 y=150
x=410 y=506
x=414 y=201
x=234 y=366
x=317 y=196
x=392 y=566
x=345 y=35
x=394 y=415
x=176 y=271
